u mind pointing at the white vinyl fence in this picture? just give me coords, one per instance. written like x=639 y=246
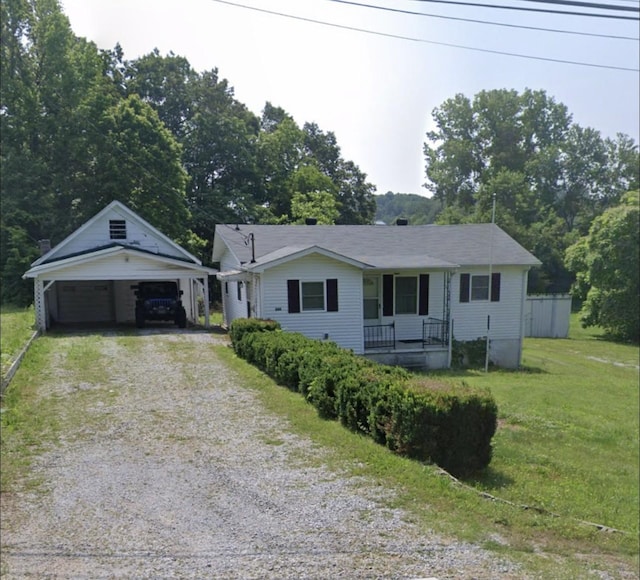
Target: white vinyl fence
x=547 y=315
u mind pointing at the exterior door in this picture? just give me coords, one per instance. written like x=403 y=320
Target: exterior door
x=371 y=300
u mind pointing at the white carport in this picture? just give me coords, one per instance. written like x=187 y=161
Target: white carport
x=95 y=285
x=88 y=276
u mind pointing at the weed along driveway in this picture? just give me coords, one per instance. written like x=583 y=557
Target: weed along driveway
x=159 y=464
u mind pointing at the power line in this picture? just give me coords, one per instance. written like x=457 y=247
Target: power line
x=422 y=40
x=595 y=5
x=524 y=9
x=489 y=22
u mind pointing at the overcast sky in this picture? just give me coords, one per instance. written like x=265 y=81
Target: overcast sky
x=377 y=93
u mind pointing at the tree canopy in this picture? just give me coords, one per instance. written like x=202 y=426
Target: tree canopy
x=418 y=209
x=550 y=177
x=81 y=127
x=607 y=267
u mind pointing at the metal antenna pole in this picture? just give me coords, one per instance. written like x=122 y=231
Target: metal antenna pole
x=487 y=348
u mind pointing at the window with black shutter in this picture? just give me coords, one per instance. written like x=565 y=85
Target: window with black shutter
x=423 y=302
x=476 y=288
x=465 y=285
x=387 y=295
x=332 y=295
x=495 y=287
x=293 y=296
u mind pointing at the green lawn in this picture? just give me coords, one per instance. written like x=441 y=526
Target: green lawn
x=16 y=326
x=567 y=439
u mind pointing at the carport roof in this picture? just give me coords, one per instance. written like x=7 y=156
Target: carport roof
x=116 y=245
x=83 y=258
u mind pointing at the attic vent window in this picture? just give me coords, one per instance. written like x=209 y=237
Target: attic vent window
x=118 y=229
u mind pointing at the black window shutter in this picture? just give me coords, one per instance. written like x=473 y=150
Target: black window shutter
x=332 y=295
x=465 y=280
x=387 y=295
x=495 y=287
x=423 y=303
x=293 y=293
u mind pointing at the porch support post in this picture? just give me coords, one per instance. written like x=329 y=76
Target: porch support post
x=450 y=353
x=449 y=318
x=40 y=305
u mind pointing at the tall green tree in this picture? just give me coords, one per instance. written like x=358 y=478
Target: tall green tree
x=607 y=267
x=139 y=163
x=318 y=205
x=418 y=209
x=70 y=142
x=550 y=177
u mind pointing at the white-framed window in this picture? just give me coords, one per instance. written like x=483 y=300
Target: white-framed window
x=239 y=290
x=479 y=287
x=406 y=294
x=312 y=294
x=318 y=296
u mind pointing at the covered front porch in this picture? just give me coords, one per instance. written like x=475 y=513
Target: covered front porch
x=406 y=318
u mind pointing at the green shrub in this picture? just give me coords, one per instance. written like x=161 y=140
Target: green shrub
x=451 y=425
x=241 y=326
x=469 y=353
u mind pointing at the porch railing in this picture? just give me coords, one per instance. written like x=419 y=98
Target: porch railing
x=380 y=336
x=434 y=332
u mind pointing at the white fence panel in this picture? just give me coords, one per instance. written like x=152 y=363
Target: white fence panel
x=547 y=315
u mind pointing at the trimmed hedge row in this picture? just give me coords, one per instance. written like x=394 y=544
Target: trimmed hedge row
x=450 y=425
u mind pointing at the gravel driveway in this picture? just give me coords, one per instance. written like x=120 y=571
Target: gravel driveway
x=176 y=471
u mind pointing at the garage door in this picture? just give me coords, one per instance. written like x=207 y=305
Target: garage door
x=86 y=301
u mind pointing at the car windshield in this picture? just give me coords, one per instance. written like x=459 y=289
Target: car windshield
x=160 y=290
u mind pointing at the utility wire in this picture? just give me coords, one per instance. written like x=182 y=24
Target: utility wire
x=422 y=40
x=489 y=22
x=524 y=9
x=597 y=6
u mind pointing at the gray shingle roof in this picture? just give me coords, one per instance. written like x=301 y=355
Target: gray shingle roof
x=430 y=246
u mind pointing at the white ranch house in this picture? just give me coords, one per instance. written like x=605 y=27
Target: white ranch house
x=395 y=294
x=87 y=277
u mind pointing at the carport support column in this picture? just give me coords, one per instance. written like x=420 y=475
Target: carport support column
x=41 y=314
x=206 y=302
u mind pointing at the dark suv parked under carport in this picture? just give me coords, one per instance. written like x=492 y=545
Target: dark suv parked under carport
x=159 y=301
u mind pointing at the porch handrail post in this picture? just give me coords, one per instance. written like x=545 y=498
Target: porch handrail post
x=450 y=353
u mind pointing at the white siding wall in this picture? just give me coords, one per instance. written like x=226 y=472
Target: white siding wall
x=232 y=307
x=98 y=235
x=343 y=327
x=470 y=318
x=117 y=267
x=506 y=315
